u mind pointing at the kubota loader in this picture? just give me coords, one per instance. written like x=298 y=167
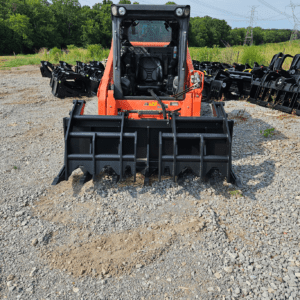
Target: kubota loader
x=149 y=103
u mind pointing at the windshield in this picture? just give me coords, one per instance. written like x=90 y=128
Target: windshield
x=150 y=31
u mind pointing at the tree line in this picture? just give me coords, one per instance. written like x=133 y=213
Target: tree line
x=28 y=25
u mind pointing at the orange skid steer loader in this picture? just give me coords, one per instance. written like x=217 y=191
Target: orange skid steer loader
x=149 y=103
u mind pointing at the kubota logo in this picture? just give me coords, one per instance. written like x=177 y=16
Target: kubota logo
x=152 y=103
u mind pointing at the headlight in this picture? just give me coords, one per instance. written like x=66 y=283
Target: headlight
x=179 y=12
x=114 y=10
x=122 y=11
x=223 y=85
x=186 y=12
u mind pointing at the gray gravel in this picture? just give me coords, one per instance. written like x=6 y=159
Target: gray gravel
x=127 y=241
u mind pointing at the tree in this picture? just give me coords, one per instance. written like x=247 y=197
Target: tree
x=124 y=2
x=208 y=32
x=170 y=3
x=22 y=29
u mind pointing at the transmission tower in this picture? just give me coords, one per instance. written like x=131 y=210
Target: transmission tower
x=249 y=34
x=294 y=35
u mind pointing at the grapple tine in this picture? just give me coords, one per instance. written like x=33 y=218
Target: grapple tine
x=200 y=144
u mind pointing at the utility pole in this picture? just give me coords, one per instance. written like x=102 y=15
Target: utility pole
x=249 y=34
x=294 y=35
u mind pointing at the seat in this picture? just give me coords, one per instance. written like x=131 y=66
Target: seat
x=149 y=74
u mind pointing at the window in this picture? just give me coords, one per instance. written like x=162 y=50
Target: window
x=150 y=31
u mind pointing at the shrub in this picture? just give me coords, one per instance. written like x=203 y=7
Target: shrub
x=95 y=51
x=252 y=54
x=71 y=47
x=55 y=53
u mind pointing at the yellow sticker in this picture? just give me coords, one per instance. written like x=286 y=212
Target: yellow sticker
x=152 y=103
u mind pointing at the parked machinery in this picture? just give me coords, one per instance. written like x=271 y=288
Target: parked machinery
x=66 y=82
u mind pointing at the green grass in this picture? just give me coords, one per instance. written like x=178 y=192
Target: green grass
x=94 y=52
x=240 y=54
x=7 y=62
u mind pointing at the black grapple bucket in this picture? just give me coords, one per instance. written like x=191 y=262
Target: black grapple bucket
x=46 y=69
x=95 y=143
x=278 y=89
x=280 y=93
x=231 y=84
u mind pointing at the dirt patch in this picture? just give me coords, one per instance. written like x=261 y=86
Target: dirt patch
x=140 y=180
x=26 y=102
x=120 y=253
x=239 y=116
x=28 y=70
x=51 y=207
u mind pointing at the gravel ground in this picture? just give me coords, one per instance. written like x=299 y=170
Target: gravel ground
x=126 y=241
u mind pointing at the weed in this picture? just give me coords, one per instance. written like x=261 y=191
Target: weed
x=15 y=167
x=267 y=132
x=236 y=193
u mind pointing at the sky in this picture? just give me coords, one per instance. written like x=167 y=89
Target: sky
x=268 y=13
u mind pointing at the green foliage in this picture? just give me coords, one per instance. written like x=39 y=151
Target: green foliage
x=95 y=51
x=71 y=47
x=208 y=32
x=55 y=54
x=267 y=132
x=29 y=25
x=22 y=30
x=252 y=54
x=236 y=193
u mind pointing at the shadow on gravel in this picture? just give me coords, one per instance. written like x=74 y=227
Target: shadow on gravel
x=254 y=139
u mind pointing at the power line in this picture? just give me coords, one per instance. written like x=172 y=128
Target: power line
x=245 y=18
x=274 y=8
x=219 y=9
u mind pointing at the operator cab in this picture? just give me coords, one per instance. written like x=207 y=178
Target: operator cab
x=150 y=46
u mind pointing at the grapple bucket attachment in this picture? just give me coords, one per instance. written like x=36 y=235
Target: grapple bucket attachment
x=231 y=84
x=278 y=88
x=95 y=142
x=46 y=69
x=69 y=84
x=279 y=93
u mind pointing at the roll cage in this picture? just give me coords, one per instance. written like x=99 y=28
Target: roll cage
x=174 y=72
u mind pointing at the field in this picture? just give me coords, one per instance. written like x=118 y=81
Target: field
x=102 y=240
x=261 y=54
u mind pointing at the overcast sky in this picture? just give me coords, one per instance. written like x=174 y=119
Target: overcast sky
x=236 y=12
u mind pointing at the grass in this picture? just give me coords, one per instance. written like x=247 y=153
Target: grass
x=54 y=56
x=240 y=54
x=7 y=62
x=262 y=54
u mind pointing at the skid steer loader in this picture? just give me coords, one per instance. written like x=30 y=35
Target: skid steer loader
x=149 y=103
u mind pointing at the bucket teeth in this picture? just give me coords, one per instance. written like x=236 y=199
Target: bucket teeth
x=122 y=146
